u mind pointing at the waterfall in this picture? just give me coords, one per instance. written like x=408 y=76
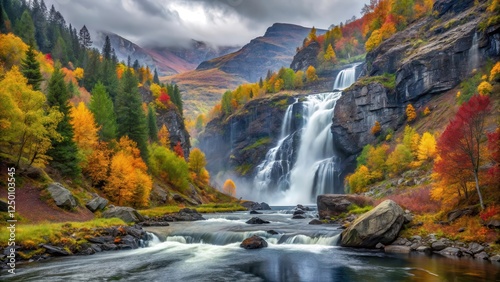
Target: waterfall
x=289 y=175
x=473 y=60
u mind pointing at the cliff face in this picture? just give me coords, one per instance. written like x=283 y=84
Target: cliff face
x=174 y=122
x=241 y=141
x=428 y=58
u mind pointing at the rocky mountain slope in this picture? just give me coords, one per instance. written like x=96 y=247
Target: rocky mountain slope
x=167 y=60
x=430 y=57
x=203 y=87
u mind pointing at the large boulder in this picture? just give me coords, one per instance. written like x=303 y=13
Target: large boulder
x=336 y=204
x=97 y=203
x=254 y=242
x=127 y=214
x=256 y=220
x=61 y=195
x=380 y=225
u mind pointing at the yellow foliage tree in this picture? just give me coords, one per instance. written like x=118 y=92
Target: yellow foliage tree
x=426 y=147
x=484 y=88
x=374 y=40
x=359 y=180
x=427 y=111
x=85 y=130
x=399 y=160
x=411 y=115
x=197 y=160
x=376 y=161
x=27 y=125
x=164 y=136
x=298 y=81
x=229 y=188
x=311 y=74
x=411 y=140
x=12 y=50
x=330 y=55
x=79 y=73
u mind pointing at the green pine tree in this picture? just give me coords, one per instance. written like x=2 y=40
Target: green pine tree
x=64 y=152
x=106 y=49
x=156 y=79
x=25 y=28
x=129 y=114
x=30 y=68
x=152 y=126
x=102 y=108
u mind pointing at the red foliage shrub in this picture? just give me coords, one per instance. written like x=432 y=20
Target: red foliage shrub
x=416 y=200
x=489 y=212
x=164 y=98
x=178 y=150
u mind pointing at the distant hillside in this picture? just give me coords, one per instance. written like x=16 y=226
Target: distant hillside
x=202 y=87
x=167 y=60
x=269 y=52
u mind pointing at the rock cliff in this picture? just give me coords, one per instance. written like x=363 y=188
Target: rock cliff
x=172 y=119
x=240 y=142
x=430 y=57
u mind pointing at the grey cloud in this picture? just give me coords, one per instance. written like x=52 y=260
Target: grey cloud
x=229 y=22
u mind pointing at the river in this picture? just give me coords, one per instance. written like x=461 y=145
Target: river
x=209 y=251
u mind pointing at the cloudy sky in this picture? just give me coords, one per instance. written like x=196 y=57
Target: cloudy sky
x=220 y=22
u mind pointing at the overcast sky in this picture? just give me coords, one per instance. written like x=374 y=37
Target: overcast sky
x=220 y=22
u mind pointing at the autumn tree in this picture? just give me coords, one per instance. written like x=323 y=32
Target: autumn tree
x=85 y=130
x=64 y=152
x=399 y=159
x=229 y=188
x=130 y=117
x=27 y=125
x=164 y=136
x=461 y=140
x=374 y=41
x=98 y=164
x=30 y=68
x=312 y=35
x=102 y=108
x=359 y=180
x=330 y=55
x=197 y=160
x=411 y=115
x=166 y=165
x=426 y=147
x=129 y=182
x=411 y=139
x=178 y=150
x=376 y=128
x=311 y=74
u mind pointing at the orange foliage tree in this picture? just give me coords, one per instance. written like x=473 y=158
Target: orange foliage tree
x=129 y=182
x=229 y=187
x=85 y=130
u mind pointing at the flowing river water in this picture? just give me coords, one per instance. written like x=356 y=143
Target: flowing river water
x=209 y=251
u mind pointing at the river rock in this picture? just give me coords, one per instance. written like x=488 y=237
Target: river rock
x=335 y=204
x=254 y=242
x=423 y=249
x=272 y=232
x=61 y=195
x=438 y=245
x=127 y=214
x=495 y=258
x=255 y=212
x=451 y=252
x=97 y=203
x=55 y=251
x=381 y=224
x=397 y=249
x=256 y=220
x=475 y=248
x=101 y=239
x=298 y=216
x=315 y=222
x=481 y=256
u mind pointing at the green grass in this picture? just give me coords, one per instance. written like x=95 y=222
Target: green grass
x=258 y=143
x=355 y=209
x=354 y=59
x=34 y=234
x=244 y=169
x=387 y=80
x=205 y=208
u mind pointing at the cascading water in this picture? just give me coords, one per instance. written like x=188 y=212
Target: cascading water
x=300 y=175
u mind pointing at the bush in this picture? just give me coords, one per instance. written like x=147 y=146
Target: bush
x=166 y=165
